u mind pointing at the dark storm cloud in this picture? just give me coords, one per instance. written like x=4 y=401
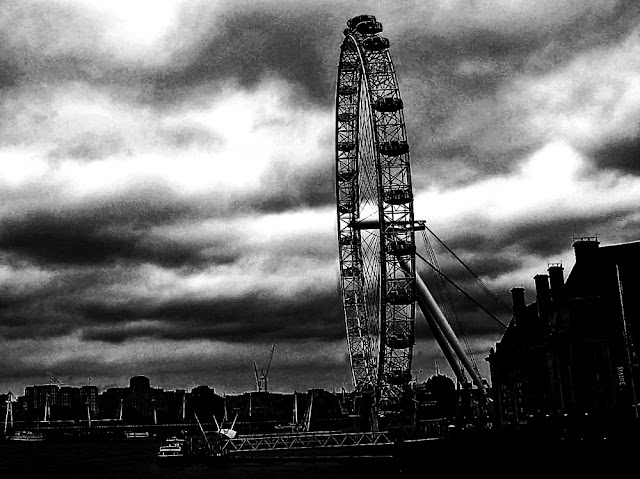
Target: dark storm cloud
x=462 y=296
x=286 y=186
x=49 y=41
x=90 y=146
x=483 y=262
x=9 y=74
x=623 y=155
x=501 y=250
x=248 y=45
x=543 y=237
x=458 y=117
x=115 y=230
x=62 y=240
x=255 y=317
x=35 y=317
x=476 y=60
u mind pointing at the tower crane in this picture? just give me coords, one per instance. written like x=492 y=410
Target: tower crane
x=11 y=398
x=261 y=377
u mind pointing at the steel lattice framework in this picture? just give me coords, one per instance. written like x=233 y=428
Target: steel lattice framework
x=375 y=215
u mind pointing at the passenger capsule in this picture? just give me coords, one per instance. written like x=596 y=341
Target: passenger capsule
x=358 y=357
x=394 y=148
x=351 y=271
x=350 y=297
x=350 y=66
x=346 y=239
x=388 y=104
x=398 y=196
x=400 y=247
x=399 y=341
x=399 y=297
x=347 y=175
x=396 y=228
x=346 y=207
x=347 y=90
x=377 y=68
x=346 y=117
x=353 y=23
x=346 y=146
x=376 y=44
x=369 y=27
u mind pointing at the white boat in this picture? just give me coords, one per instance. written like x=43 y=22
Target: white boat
x=173 y=447
x=26 y=436
x=137 y=435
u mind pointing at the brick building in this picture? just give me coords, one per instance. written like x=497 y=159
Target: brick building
x=569 y=359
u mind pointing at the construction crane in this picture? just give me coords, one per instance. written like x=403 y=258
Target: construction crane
x=261 y=377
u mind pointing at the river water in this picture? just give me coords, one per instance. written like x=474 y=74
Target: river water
x=137 y=459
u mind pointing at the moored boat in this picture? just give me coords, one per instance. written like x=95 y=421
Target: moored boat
x=26 y=436
x=138 y=435
x=174 y=448
x=190 y=449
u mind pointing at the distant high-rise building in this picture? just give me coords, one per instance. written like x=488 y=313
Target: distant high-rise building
x=89 y=396
x=37 y=397
x=139 y=383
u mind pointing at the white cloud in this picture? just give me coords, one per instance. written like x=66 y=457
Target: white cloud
x=256 y=128
x=130 y=30
x=253 y=130
x=551 y=183
x=279 y=256
x=23 y=278
x=593 y=100
x=20 y=166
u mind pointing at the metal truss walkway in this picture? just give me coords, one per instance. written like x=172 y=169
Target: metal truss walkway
x=313 y=440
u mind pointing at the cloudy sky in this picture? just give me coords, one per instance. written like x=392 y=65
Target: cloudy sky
x=167 y=197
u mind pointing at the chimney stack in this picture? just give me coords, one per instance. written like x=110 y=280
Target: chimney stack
x=517 y=300
x=543 y=295
x=584 y=247
x=556 y=278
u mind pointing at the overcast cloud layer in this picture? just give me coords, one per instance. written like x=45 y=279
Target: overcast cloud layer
x=167 y=174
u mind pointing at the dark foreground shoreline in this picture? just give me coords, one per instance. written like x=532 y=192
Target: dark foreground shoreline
x=483 y=453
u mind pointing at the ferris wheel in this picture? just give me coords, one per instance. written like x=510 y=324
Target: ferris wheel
x=375 y=215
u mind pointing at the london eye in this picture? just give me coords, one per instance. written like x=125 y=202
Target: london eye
x=377 y=249
x=375 y=214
